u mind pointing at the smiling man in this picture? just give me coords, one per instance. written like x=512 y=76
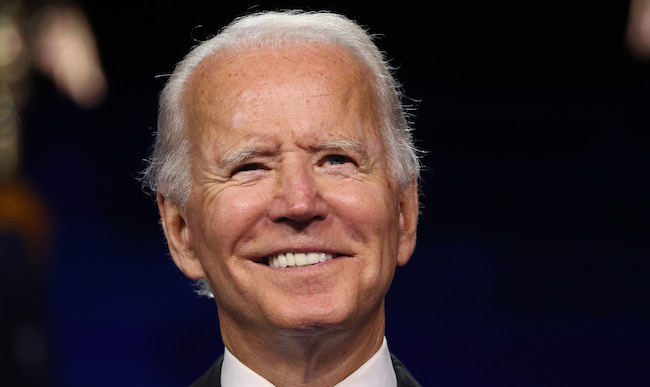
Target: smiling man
x=286 y=180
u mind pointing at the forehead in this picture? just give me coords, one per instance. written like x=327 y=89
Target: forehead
x=225 y=83
x=288 y=58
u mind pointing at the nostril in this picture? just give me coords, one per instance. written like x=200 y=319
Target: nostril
x=300 y=224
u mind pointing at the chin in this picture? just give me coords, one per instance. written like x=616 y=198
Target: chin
x=305 y=318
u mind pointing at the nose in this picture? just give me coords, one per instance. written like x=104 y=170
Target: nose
x=297 y=199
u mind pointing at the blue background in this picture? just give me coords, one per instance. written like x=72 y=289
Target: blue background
x=532 y=264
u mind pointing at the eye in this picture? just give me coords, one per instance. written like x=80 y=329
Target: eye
x=248 y=167
x=337 y=159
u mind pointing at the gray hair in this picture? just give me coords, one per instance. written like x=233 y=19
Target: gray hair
x=169 y=168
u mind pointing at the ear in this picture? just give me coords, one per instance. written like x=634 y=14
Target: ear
x=177 y=231
x=408 y=222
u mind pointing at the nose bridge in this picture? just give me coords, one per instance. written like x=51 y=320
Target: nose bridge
x=297 y=196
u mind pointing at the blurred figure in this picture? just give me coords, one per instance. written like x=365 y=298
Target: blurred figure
x=24 y=242
x=58 y=42
x=65 y=50
x=638 y=29
x=24 y=229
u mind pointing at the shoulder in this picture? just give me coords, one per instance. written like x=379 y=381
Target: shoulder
x=212 y=378
x=404 y=377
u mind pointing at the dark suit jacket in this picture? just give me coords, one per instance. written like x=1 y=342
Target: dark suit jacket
x=212 y=378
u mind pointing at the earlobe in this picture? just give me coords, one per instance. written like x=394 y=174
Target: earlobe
x=408 y=218
x=174 y=222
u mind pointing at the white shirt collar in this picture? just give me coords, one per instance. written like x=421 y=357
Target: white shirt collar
x=376 y=372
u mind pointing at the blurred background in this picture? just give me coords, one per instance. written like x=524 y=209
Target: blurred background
x=533 y=262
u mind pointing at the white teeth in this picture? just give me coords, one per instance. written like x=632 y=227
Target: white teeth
x=301 y=259
x=297 y=259
x=282 y=260
x=312 y=258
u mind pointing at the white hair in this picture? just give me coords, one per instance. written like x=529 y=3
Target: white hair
x=169 y=167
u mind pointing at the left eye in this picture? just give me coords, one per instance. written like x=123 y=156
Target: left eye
x=247 y=167
x=337 y=159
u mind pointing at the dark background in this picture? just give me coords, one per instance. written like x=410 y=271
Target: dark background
x=532 y=263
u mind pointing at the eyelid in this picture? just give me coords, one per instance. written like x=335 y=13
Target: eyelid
x=352 y=149
x=344 y=156
x=245 y=167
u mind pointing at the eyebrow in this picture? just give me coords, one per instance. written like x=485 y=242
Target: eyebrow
x=238 y=156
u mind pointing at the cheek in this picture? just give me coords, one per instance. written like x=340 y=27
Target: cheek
x=368 y=211
x=370 y=217
x=228 y=217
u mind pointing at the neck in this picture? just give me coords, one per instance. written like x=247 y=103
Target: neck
x=317 y=357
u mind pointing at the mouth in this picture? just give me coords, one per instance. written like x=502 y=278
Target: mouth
x=281 y=261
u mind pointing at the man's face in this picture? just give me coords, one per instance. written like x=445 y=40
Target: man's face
x=287 y=160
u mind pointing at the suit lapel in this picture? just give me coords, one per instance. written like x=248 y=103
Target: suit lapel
x=404 y=377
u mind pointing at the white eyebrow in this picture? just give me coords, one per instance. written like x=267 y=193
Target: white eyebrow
x=238 y=156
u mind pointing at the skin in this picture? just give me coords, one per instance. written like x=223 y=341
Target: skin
x=286 y=157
